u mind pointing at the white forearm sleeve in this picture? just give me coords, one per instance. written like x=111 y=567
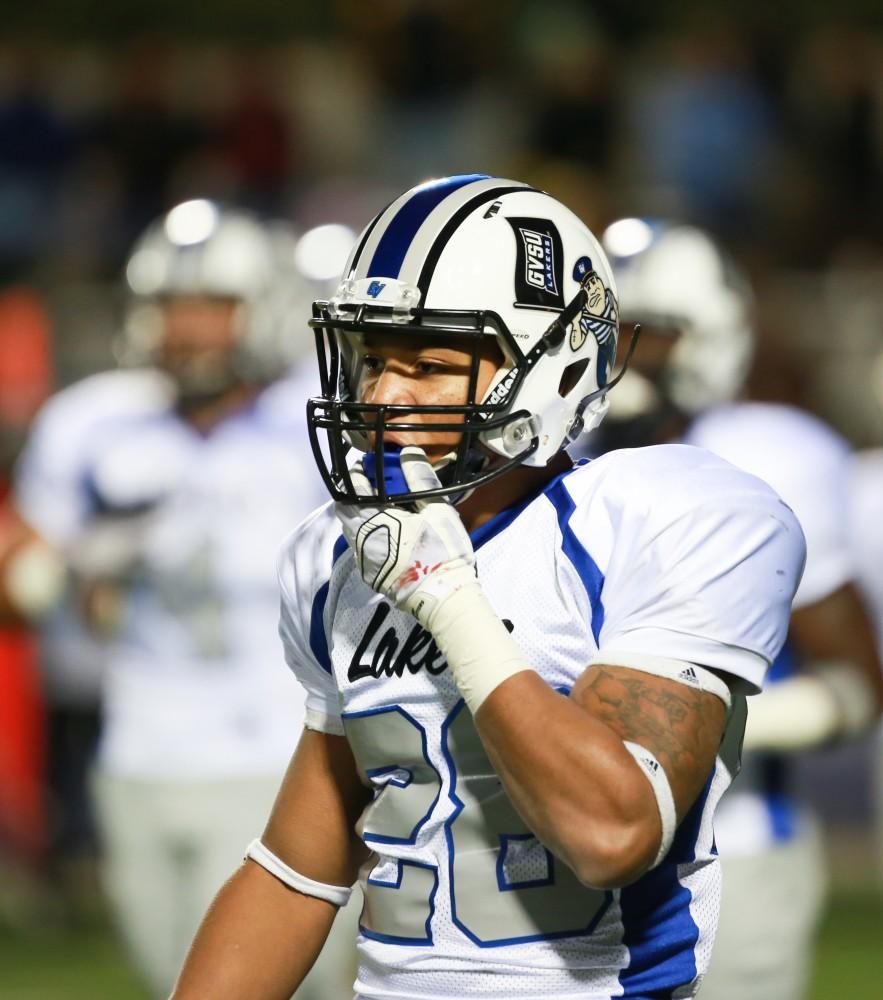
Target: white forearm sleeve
x=475 y=644
x=337 y=894
x=810 y=709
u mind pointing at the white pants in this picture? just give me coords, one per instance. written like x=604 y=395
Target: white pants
x=770 y=909
x=168 y=847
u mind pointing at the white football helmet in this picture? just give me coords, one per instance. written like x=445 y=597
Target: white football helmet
x=674 y=278
x=200 y=249
x=472 y=256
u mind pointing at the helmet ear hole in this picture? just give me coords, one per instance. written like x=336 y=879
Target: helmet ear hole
x=570 y=377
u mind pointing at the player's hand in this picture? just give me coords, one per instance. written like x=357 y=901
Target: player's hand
x=415 y=558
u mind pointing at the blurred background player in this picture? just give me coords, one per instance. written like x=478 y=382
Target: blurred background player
x=156 y=497
x=697 y=340
x=866 y=535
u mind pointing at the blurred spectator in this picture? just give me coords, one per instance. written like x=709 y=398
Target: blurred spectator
x=568 y=86
x=836 y=119
x=256 y=140
x=35 y=149
x=700 y=137
x=144 y=135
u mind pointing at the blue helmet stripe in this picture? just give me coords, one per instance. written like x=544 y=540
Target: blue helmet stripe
x=393 y=245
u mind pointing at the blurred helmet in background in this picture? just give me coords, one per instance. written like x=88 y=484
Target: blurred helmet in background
x=220 y=297
x=676 y=281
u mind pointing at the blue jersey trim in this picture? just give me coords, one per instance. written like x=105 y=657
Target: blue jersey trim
x=783 y=817
x=659 y=930
x=318 y=639
x=394 y=243
x=499 y=522
x=585 y=566
x=784 y=665
x=775 y=781
x=775 y=768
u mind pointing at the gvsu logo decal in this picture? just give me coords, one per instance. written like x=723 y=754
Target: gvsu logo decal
x=538 y=269
x=539 y=254
x=375 y=288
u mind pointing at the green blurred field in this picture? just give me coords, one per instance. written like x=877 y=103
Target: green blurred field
x=89 y=965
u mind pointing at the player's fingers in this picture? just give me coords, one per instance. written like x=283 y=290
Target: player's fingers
x=361 y=483
x=418 y=473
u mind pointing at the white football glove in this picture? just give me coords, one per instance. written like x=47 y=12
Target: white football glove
x=417 y=559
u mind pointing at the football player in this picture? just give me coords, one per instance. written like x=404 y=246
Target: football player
x=167 y=487
x=525 y=679
x=866 y=534
x=695 y=308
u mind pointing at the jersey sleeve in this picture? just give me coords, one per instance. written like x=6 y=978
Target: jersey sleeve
x=305 y=565
x=703 y=567
x=808 y=465
x=49 y=490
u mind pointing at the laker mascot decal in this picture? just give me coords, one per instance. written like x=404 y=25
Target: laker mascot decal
x=598 y=318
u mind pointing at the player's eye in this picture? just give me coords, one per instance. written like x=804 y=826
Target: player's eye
x=371 y=363
x=425 y=366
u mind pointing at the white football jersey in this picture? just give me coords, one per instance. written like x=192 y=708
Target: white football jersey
x=665 y=551
x=49 y=494
x=866 y=530
x=808 y=465
x=189 y=526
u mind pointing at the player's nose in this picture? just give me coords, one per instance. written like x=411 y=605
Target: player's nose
x=393 y=388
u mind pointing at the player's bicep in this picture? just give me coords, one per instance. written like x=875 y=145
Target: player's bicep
x=680 y=725
x=312 y=825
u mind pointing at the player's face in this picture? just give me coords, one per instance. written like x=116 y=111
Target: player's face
x=198 y=340
x=425 y=371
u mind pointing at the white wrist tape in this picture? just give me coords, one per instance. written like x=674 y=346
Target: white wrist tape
x=811 y=709
x=682 y=671
x=35 y=578
x=475 y=643
x=852 y=691
x=337 y=894
x=662 y=790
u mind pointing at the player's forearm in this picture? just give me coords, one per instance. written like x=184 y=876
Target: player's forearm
x=258 y=940
x=570 y=777
x=572 y=781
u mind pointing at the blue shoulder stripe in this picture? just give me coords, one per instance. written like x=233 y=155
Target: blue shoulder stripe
x=390 y=252
x=318 y=639
x=583 y=563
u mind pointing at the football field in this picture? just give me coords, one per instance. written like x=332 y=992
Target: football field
x=89 y=965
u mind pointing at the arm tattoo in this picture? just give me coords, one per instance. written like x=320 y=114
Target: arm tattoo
x=680 y=725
